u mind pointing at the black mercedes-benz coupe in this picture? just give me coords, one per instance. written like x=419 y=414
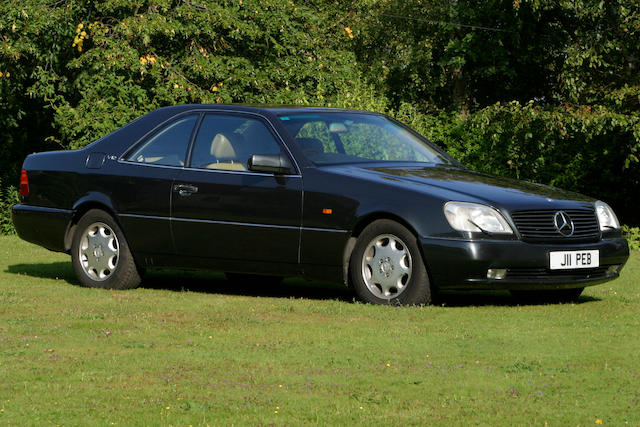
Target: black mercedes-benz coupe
x=328 y=194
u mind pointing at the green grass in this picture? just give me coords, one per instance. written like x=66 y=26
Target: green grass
x=192 y=348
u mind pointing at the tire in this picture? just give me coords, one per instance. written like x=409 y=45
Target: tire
x=552 y=296
x=400 y=276
x=109 y=265
x=254 y=280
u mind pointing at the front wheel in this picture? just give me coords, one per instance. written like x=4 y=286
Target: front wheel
x=386 y=266
x=100 y=254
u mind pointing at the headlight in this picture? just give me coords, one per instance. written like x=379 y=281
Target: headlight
x=465 y=216
x=606 y=217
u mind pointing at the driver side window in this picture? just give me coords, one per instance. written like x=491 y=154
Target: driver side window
x=226 y=142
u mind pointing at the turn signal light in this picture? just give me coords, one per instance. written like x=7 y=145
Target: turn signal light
x=24 y=183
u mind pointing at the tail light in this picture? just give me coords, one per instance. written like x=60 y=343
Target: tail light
x=24 y=183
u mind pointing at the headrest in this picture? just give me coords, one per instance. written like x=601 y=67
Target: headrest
x=222 y=145
x=310 y=145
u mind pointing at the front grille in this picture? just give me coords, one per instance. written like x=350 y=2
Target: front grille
x=538 y=225
x=543 y=274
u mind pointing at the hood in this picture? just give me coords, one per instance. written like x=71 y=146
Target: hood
x=467 y=185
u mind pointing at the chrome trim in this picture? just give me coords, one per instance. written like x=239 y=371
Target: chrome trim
x=245 y=224
x=129 y=162
x=182 y=168
x=248 y=224
x=566 y=222
x=144 y=216
x=207 y=221
x=32 y=208
x=239 y=172
x=328 y=230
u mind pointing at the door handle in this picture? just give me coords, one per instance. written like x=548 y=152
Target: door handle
x=185 y=189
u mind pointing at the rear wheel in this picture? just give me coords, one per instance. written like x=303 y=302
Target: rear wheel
x=100 y=254
x=386 y=266
x=548 y=296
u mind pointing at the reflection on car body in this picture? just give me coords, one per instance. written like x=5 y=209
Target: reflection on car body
x=328 y=194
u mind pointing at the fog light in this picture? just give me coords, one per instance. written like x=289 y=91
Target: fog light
x=613 y=269
x=496 y=273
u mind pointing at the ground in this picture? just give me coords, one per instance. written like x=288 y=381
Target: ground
x=196 y=349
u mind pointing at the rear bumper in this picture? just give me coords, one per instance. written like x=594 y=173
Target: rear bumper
x=41 y=225
x=463 y=264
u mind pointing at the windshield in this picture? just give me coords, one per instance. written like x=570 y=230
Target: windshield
x=329 y=138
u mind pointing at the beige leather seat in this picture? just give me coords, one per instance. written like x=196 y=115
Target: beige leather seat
x=225 y=148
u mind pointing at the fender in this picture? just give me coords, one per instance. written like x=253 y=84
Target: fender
x=91 y=200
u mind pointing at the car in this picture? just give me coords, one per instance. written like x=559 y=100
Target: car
x=328 y=194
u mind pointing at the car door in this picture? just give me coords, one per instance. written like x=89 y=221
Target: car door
x=223 y=211
x=142 y=184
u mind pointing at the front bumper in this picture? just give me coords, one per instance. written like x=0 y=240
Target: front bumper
x=463 y=264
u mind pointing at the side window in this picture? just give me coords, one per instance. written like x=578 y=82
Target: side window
x=314 y=137
x=227 y=142
x=168 y=146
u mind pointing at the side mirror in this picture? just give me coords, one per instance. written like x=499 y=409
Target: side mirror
x=270 y=163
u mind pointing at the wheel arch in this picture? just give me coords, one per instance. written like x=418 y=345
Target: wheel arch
x=360 y=225
x=81 y=207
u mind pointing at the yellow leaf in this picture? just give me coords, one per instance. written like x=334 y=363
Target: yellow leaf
x=348 y=32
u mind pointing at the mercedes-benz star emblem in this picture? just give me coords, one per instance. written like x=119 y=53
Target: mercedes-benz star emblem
x=563 y=223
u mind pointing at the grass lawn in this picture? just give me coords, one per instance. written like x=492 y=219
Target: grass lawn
x=193 y=348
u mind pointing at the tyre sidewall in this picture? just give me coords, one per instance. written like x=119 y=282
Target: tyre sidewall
x=418 y=290
x=125 y=275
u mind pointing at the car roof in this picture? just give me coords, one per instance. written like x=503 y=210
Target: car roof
x=274 y=109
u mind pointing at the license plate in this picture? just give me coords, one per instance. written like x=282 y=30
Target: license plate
x=567 y=260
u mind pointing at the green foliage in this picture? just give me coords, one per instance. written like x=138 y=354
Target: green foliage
x=8 y=197
x=462 y=55
x=584 y=149
x=633 y=236
x=602 y=63
x=116 y=60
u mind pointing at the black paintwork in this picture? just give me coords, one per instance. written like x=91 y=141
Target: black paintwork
x=273 y=223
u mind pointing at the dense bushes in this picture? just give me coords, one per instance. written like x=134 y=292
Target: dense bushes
x=8 y=198
x=589 y=150
x=547 y=91
x=633 y=236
